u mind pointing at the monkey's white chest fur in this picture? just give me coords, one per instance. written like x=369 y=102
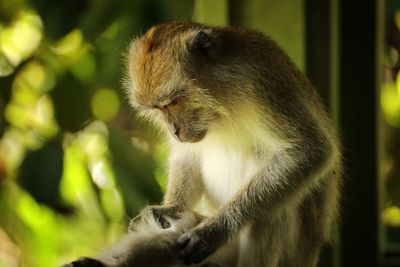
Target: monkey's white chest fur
x=226 y=169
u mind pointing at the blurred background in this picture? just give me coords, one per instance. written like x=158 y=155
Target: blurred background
x=76 y=164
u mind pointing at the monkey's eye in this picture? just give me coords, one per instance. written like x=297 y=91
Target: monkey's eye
x=174 y=102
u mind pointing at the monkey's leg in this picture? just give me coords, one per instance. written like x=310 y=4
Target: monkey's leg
x=261 y=244
x=316 y=215
x=311 y=237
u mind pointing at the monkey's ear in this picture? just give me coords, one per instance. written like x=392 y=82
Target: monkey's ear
x=201 y=43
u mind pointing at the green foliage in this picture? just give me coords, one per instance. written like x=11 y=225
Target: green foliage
x=75 y=164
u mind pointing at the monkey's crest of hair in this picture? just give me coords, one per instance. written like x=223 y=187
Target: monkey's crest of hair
x=157 y=58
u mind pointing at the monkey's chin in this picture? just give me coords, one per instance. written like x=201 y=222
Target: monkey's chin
x=192 y=139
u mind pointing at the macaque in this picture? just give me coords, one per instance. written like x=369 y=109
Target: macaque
x=251 y=145
x=250 y=142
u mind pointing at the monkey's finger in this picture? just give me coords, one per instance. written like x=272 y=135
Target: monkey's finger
x=199 y=256
x=183 y=241
x=189 y=256
x=161 y=220
x=198 y=253
x=190 y=251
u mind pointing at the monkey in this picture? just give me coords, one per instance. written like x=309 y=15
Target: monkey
x=250 y=142
x=151 y=242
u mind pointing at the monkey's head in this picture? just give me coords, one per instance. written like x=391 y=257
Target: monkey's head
x=168 y=80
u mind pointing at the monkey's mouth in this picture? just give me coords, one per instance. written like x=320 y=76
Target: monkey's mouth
x=190 y=137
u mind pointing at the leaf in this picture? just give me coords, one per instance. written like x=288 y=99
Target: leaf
x=6 y=68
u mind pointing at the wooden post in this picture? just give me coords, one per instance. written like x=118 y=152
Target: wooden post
x=358 y=117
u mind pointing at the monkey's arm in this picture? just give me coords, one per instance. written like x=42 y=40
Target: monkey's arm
x=287 y=176
x=184 y=186
x=184 y=189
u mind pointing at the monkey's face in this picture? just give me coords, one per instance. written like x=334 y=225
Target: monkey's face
x=161 y=87
x=187 y=113
x=184 y=115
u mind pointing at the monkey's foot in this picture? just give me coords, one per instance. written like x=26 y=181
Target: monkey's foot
x=85 y=262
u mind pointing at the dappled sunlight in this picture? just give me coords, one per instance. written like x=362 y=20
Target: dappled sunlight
x=38 y=117
x=101 y=174
x=21 y=38
x=397 y=19
x=391 y=216
x=35 y=77
x=389 y=127
x=6 y=68
x=34 y=216
x=390 y=103
x=71 y=47
x=93 y=140
x=12 y=149
x=112 y=202
x=105 y=104
x=87 y=153
x=76 y=187
x=160 y=171
x=112 y=31
x=84 y=68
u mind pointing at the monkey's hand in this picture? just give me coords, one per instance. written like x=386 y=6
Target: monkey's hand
x=158 y=213
x=200 y=242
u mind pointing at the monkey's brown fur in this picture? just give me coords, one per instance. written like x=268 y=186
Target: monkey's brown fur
x=249 y=139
